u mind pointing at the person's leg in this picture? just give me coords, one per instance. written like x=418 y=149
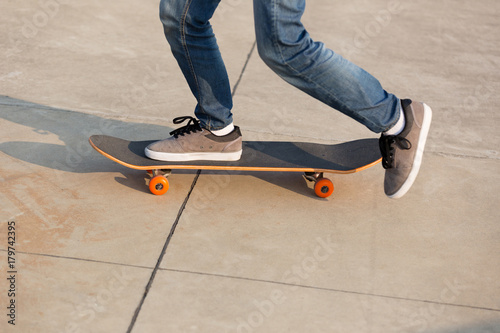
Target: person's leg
x=212 y=136
x=187 y=28
x=287 y=48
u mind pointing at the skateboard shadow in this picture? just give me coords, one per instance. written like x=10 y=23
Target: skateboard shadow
x=74 y=154
x=72 y=129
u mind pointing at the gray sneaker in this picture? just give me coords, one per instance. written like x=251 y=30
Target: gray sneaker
x=192 y=142
x=402 y=153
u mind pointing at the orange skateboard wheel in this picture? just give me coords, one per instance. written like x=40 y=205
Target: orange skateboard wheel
x=323 y=187
x=158 y=185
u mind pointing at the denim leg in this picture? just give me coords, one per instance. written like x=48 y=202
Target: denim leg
x=286 y=47
x=194 y=46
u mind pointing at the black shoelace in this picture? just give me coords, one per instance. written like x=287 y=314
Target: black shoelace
x=192 y=126
x=387 y=145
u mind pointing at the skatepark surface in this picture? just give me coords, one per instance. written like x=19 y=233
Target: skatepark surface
x=95 y=251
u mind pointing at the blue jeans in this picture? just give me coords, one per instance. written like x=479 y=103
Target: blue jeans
x=286 y=47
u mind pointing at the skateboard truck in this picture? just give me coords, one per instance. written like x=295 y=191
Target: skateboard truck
x=160 y=172
x=323 y=187
x=313 y=176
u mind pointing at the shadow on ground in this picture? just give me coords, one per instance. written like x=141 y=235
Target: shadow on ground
x=490 y=326
x=74 y=154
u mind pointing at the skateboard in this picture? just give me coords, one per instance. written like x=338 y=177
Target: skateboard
x=311 y=159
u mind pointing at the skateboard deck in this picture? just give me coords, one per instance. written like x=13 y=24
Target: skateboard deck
x=310 y=158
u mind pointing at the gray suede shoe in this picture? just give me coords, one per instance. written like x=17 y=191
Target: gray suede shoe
x=192 y=143
x=402 y=153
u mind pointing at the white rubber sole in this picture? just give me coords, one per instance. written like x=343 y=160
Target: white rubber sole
x=170 y=157
x=417 y=162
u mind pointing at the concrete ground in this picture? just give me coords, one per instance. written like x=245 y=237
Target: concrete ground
x=252 y=252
